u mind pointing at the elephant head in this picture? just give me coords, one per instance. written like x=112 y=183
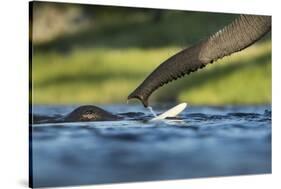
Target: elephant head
x=238 y=35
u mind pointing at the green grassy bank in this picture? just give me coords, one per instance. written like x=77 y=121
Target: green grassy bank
x=108 y=75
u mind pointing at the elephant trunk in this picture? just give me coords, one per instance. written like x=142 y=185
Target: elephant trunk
x=241 y=33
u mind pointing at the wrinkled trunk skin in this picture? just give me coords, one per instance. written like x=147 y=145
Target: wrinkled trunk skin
x=238 y=35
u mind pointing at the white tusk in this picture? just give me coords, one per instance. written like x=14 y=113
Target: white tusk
x=171 y=112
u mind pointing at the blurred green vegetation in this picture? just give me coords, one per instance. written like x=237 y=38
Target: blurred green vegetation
x=109 y=59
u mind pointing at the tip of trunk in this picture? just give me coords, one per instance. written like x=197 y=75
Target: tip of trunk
x=140 y=97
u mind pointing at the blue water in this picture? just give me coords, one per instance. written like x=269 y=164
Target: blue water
x=202 y=142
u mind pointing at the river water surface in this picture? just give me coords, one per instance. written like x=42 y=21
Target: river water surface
x=202 y=142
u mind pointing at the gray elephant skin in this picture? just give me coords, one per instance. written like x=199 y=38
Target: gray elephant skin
x=238 y=35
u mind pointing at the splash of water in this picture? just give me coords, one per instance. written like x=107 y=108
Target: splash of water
x=151 y=110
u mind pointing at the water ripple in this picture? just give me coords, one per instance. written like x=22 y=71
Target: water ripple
x=201 y=142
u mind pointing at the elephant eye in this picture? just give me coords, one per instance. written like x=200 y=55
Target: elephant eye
x=89 y=112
